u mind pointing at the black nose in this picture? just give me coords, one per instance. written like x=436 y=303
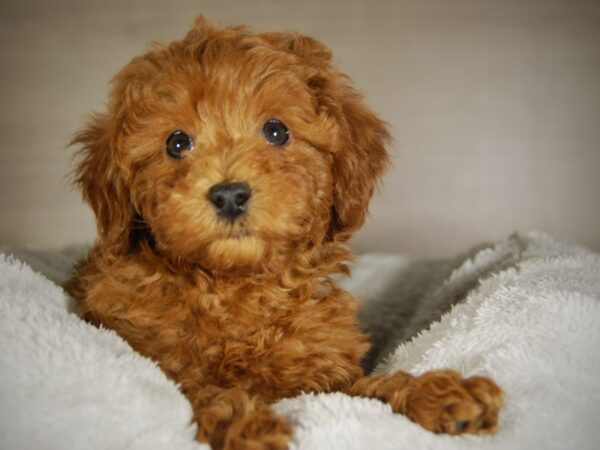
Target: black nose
x=229 y=199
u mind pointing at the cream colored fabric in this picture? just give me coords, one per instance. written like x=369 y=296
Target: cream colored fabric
x=528 y=315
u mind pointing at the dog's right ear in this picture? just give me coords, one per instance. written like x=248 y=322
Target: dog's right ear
x=103 y=183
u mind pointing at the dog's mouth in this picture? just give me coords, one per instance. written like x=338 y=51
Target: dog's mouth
x=237 y=229
x=237 y=250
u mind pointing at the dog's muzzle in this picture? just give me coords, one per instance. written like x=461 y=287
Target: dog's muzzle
x=229 y=199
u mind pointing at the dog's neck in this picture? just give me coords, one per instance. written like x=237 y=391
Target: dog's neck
x=300 y=270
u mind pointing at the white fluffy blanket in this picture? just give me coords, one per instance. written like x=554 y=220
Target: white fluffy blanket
x=527 y=313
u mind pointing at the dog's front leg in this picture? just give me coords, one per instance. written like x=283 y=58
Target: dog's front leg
x=234 y=420
x=439 y=401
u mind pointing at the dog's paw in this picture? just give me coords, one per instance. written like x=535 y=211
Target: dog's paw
x=260 y=430
x=442 y=402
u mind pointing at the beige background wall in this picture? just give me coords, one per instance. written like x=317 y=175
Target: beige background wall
x=494 y=106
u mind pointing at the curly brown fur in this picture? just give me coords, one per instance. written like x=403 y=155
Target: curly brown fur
x=241 y=312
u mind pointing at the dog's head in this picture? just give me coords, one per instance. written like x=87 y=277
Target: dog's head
x=230 y=149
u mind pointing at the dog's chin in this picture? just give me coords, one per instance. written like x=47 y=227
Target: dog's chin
x=229 y=254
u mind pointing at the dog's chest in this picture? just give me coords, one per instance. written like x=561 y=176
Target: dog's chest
x=257 y=336
x=249 y=317
x=261 y=337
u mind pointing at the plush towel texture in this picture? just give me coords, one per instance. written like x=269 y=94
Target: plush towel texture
x=525 y=311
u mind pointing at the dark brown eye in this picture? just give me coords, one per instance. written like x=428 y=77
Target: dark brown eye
x=275 y=132
x=177 y=143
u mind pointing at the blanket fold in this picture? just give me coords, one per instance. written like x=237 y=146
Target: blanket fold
x=525 y=311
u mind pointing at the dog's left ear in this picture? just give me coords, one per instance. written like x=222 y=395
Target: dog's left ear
x=359 y=149
x=359 y=159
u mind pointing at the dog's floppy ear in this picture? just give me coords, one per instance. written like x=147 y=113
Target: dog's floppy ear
x=359 y=149
x=103 y=184
x=359 y=159
x=104 y=171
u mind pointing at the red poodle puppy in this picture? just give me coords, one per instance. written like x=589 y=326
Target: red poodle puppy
x=226 y=175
